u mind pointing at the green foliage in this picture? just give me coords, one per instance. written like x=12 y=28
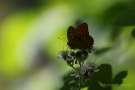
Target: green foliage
x=102 y=50
x=114 y=11
x=125 y=18
x=115 y=32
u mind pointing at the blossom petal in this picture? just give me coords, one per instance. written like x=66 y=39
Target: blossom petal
x=96 y=70
x=76 y=76
x=68 y=59
x=89 y=68
x=71 y=82
x=59 y=58
x=92 y=48
x=83 y=69
x=73 y=74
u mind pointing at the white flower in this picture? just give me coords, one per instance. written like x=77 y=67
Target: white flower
x=71 y=82
x=96 y=70
x=69 y=58
x=83 y=69
x=59 y=58
x=92 y=49
x=75 y=75
x=92 y=66
x=64 y=55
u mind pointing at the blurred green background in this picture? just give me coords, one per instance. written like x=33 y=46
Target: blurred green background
x=29 y=44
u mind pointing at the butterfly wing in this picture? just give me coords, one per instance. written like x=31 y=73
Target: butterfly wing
x=88 y=41
x=82 y=30
x=70 y=33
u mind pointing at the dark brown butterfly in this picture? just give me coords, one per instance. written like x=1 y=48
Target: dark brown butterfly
x=79 y=38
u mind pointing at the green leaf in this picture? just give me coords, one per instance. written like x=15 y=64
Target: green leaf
x=115 y=32
x=111 y=12
x=118 y=78
x=103 y=76
x=133 y=33
x=125 y=18
x=102 y=50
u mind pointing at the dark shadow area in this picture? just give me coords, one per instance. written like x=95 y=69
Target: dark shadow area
x=133 y=33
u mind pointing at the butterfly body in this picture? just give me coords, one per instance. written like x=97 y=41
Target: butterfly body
x=79 y=38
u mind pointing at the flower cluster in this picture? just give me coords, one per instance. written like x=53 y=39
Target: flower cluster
x=76 y=60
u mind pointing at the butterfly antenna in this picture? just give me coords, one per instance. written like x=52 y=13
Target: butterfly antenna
x=63 y=39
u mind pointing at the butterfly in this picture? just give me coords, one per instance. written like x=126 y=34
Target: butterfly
x=79 y=38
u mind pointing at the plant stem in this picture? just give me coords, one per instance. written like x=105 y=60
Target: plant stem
x=79 y=83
